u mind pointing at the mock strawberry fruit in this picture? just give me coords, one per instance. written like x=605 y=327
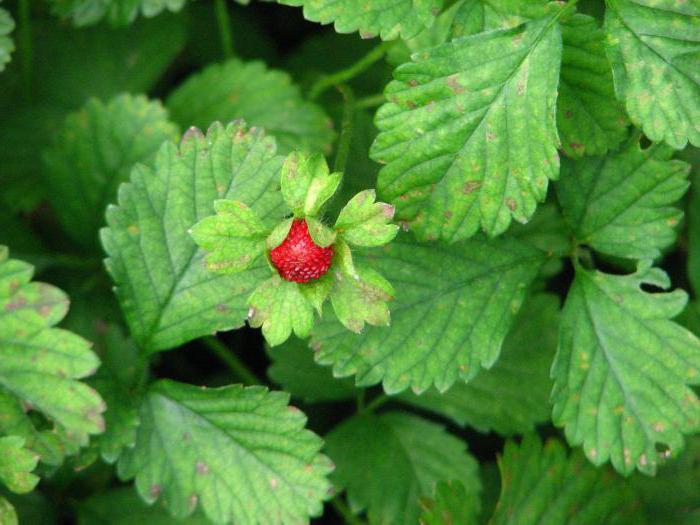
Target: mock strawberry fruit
x=299 y=259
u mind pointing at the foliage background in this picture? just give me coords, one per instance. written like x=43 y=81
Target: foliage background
x=49 y=217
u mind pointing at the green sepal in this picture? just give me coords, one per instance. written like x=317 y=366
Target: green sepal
x=361 y=298
x=233 y=238
x=279 y=234
x=321 y=234
x=8 y=515
x=306 y=183
x=364 y=222
x=316 y=292
x=280 y=308
x=342 y=258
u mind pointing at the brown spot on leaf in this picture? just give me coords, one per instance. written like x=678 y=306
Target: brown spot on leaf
x=471 y=186
x=512 y=205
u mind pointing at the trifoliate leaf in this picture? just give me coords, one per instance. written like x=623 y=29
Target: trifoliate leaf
x=8 y=515
x=494 y=399
x=387 y=462
x=449 y=506
x=234 y=238
x=280 y=308
x=39 y=364
x=148 y=234
x=457 y=106
x=622 y=204
x=241 y=453
x=293 y=368
x=387 y=18
x=653 y=47
x=263 y=97
x=453 y=307
x=589 y=118
x=542 y=484
x=93 y=154
x=7 y=46
x=124 y=507
x=306 y=183
x=361 y=297
x=671 y=497
x=118 y=12
x=622 y=370
x=364 y=222
x=16 y=465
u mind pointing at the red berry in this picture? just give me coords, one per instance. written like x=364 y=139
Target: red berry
x=299 y=259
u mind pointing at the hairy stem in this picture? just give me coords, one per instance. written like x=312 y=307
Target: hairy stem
x=239 y=369
x=24 y=35
x=223 y=20
x=350 y=72
x=346 y=129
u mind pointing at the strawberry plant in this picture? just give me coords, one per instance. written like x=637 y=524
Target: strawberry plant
x=333 y=261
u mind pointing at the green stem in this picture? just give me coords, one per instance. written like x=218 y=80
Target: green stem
x=223 y=20
x=376 y=403
x=24 y=35
x=342 y=509
x=240 y=370
x=350 y=72
x=346 y=129
x=371 y=101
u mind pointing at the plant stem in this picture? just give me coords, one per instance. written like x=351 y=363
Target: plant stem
x=224 y=22
x=342 y=509
x=371 y=101
x=240 y=370
x=346 y=129
x=376 y=403
x=350 y=72
x=24 y=35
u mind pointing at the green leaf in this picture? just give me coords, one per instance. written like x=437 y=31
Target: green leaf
x=654 y=49
x=293 y=368
x=387 y=462
x=542 y=484
x=94 y=152
x=321 y=234
x=118 y=12
x=72 y=66
x=494 y=400
x=124 y=507
x=671 y=497
x=242 y=453
x=147 y=234
x=263 y=97
x=16 y=465
x=387 y=18
x=622 y=369
x=234 y=238
x=450 y=505
x=8 y=516
x=363 y=222
x=306 y=183
x=280 y=308
x=622 y=204
x=7 y=46
x=120 y=381
x=454 y=306
x=693 y=218
x=589 y=118
x=39 y=364
x=459 y=104
x=361 y=297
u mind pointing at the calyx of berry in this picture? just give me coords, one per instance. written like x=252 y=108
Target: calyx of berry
x=310 y=261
